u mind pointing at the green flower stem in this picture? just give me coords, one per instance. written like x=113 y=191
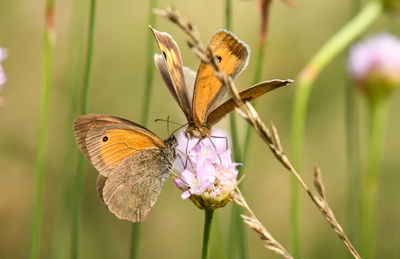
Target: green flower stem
x=378 y=115
x=135 y=233
x=353 y=154
x=84 y=108
x=208 y=215
x=353 y=160
x=306 y=81
x=47 y=61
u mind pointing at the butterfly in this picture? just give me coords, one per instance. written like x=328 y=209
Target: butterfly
x=198 y=94
x=132 y=161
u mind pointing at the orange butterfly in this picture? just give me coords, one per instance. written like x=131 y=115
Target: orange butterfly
x=133 y=162
x=199 y=94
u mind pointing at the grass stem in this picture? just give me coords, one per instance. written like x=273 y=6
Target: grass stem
x=237 y=239
x=47 y=61
x=84 y=108
x=135 y=233
x=353 y=153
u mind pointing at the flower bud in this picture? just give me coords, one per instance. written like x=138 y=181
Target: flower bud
x=374 y=64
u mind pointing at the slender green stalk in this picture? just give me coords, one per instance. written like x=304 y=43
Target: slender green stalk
x=145 y=108
x=84 y=108
x=237 y=239
x=378 y=115
x=217 y=251
x=149 y=64
x=47 y=61
x=306 y=81
x=243 y=156
x=62 y=226
x=88 y=69
x=262 y=39
x=208 y=215
x=228 y=14
x=256 y=79
x=353 y=157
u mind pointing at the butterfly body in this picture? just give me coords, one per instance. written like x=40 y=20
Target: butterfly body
x=199 y=94
x=132 y=161
x=196 y=131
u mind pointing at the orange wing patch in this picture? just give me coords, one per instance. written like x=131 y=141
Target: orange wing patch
x=232 y=55
x=118 y=144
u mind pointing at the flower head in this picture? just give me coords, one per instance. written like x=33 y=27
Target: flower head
x=208 y=175
x=375 y=65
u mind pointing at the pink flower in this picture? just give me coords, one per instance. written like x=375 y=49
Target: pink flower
x=3 y=77
x=208 y=175
x=375 y=64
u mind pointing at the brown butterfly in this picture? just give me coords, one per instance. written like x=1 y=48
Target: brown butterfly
x=132 y=161
x=199 y=94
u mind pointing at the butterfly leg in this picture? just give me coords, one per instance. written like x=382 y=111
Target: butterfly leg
x=226 y=140
x=187 y=157
x=215 y=147
x=175 y=176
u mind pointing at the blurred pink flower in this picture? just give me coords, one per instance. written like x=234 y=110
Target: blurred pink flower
x=375 y=64
x=3 y=77
x=209 y=176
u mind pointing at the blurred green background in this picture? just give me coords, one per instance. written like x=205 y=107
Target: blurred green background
x=174 y=227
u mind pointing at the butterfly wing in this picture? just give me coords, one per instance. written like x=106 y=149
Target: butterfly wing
x=171 y=68
x=130 y=160
x=233 y=56
x=132 y=192
x=246 y=95
x=83 y=124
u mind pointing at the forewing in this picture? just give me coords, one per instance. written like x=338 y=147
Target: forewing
x=172 y=70
x=233 y=56
x=132 y=192
x=246 y=95
x=109 y=146
x=163 y=69
x=83 y=124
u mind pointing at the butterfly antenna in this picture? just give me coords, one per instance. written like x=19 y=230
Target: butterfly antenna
x=163 y=120
x=180 y=127
x=168 y=126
